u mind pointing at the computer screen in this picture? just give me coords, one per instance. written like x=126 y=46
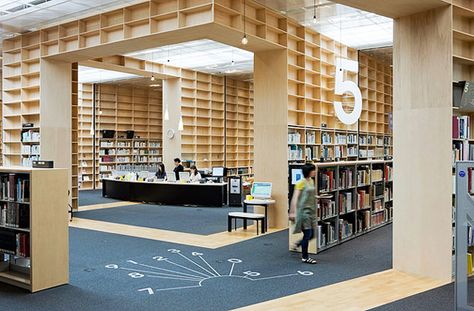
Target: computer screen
x=170 y=176
x=261 y=190
x=218 y=171
x=184 y=176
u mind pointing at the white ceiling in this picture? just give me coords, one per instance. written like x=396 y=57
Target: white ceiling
x=353 y=27
x=202 y=55
x=95 y=75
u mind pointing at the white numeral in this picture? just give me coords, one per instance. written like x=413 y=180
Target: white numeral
x=342 y=87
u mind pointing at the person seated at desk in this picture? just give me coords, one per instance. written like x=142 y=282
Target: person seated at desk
x=178 y=167
x=195 y=175
x=161 y=173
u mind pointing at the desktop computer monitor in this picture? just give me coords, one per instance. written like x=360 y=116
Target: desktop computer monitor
x=184 y=176
x=261 y=190
x=218 y=171
x=170 y=176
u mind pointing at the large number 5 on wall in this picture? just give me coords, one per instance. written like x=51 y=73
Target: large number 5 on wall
x=342 y=87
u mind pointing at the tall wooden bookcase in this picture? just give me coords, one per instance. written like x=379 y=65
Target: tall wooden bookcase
x=120 y=108
x=36 y=253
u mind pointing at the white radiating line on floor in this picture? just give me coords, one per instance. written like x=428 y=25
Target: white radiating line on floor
x=210 y=266
x=274 y=277
x=171 y=278
x=172 y=271
x=210 y=273
x=178 y=265
x=173 y=288
x=157 y=273
x=232 y=269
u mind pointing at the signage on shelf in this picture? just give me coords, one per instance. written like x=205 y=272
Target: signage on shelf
x=342 y=87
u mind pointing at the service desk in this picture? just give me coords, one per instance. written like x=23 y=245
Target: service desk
x=169 y=193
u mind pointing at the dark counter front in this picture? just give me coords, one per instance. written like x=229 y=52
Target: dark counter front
x=166 y=193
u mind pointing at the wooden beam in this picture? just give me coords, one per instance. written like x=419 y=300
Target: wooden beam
x=394 y=8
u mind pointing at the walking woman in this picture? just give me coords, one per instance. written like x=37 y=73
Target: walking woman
x=303 y=204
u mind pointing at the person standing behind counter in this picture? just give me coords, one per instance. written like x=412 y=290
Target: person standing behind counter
x=178 y=167
x=161 y=173
x=195 y=175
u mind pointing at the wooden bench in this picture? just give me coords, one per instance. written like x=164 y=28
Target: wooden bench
x=245 y=216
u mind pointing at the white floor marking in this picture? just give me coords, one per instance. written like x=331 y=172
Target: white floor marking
x=196 y=276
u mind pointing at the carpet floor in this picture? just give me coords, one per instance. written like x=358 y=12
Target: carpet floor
x=91 y=197
x=115 y=272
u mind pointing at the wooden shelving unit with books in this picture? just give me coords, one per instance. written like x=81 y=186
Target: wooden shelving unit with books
x=354 y=197
x=120 y=108
x=34 y=256
x=75 y=137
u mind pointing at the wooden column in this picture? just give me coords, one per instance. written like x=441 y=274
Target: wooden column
x=172 y=100
x=55 y=111
x=271 y=129
x=422 y=144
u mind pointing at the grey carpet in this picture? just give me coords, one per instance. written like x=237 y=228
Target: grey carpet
x=91 y=197
x=438 y=299
x=93 y=287
x=197 y=220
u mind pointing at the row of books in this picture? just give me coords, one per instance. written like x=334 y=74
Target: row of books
x=14 y=215
x=388 y=213
x=16 y=188
x=31 y=149
x=363 y=221
x=12 y=243
x=30 y=136
x=294 y=138
x=346 y=229
x=388 y=194
x=326 y=180
x=326 y=208
x=363 y=177
x=28 y=162
x=345 y=202
x=326 y=234
x=377 y=219
x=327 y=153
x=311 y=138
x=463 y=151
x=378 y=206
x=326 y=138
x=346 y=178
x=295 y=153
x=377 y=174
x=461 y=127
x=363 y=199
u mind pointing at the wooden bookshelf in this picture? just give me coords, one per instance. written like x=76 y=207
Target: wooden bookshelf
x=354 y=197
x=75 y=137
x=121 y=108
x=217 y=117
x=34 y=256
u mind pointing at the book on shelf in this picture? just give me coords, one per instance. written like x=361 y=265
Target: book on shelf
x=311 y=138
x=338 y=152
x=345 y=202
x=363 y=221
x=326 y=153
x=12 y=243
x=341 y=139
x=363 y=177
x=14 y=215
x=326 y=208
x=388 y=173
x=326 y=180
x=346 y=229
x=326 y=233
x=377 y=219
x=377 y=174
x=326 y=138
x=295 y=153
x=461 y=127
x=294 y=138
x=352 y=139
x=363 y=199
x=378 y=206
x=346 y=178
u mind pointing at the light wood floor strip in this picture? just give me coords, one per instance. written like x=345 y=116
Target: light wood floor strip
x=106 y=205
x=354 y=295
x=211 y=241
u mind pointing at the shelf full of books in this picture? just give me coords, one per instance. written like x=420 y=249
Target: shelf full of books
x=354 y=197
x=33 y=256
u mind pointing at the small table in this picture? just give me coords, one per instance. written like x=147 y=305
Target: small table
x=258 y=202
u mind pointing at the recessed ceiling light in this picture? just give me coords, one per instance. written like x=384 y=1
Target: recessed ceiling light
x=155 y=85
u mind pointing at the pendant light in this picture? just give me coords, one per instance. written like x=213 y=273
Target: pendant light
x=244 y=38
x=152 y=66
x=315 y=20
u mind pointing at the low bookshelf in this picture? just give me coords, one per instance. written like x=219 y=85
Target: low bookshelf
x=353 y=198
x=34 y=251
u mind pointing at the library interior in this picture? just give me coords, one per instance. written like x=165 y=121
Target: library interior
x=237 y=154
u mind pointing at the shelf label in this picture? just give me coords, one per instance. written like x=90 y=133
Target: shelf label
x=342 y=87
